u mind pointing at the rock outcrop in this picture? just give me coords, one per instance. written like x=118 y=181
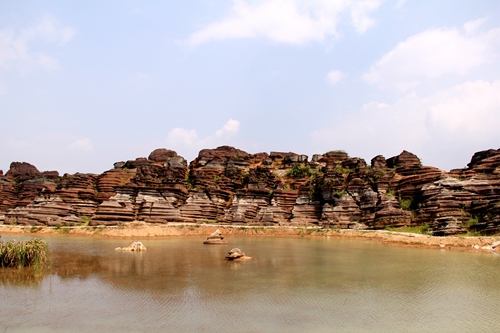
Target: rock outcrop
x=132 y=246
x=215 y=238
x=237 y=255
x=229 y=186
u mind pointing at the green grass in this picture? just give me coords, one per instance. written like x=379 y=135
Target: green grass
x=421 y=229
x=84 y=220
x=31 y=253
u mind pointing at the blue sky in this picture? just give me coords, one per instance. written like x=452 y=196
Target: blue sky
x=85 y=84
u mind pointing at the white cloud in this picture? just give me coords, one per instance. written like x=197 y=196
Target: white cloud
x=444 y=129
x=15 y=47
x=472 y=27
x=434 y=53
x=377 y=128
x=333 y=77
x=359 y=14
x=400 y=3
x=181 y=136
x=229 y=130
x=50 y=29
x=9 y=49
x=84 y=144
x=467 y=112
x=374 y=106
x=189 y=143
x=286 y=21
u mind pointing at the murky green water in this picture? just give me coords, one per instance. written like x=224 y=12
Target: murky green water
x=292 y=285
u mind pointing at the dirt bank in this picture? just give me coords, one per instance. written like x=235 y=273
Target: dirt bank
x=143 y=230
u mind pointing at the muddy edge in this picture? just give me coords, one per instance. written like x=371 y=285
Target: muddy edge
x=144 y=230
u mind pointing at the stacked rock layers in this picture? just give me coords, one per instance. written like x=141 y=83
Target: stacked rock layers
x=230 y=186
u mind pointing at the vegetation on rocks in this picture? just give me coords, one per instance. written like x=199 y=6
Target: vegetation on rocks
x=299 y=171
x=277 y=188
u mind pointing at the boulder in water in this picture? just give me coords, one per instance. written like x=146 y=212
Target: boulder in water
x=237 y=255
x=132 y=246
x=215 y=238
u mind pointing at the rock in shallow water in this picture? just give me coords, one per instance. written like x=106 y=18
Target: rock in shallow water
x=132 y=246
x=215 y=238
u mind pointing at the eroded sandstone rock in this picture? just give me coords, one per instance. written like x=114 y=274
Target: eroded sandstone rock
x=230 y=186
x=215 y=238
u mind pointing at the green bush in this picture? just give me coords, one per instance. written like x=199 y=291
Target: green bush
x=406 y=204
x=473 y=220
x=298 y=171
x=344 y=171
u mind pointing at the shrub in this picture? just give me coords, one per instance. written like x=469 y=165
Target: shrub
x=298 y=171
x=344 y=171
x=473 y=220
x=339 y=193
x=406 y=204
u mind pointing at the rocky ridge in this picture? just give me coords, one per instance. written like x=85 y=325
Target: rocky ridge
x=230 y=186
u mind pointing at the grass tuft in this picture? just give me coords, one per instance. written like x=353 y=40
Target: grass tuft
x=31 y=253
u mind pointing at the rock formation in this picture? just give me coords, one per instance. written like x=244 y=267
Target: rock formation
x=132 y=246
x=229 y=186
x=236 y=255
x=215 y=238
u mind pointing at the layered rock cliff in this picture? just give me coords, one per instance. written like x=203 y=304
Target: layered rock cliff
x=230 y=186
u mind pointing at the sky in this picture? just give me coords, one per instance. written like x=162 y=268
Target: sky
x=84 y=84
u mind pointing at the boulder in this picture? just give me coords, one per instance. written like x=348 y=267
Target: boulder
x=132 y=246
x=237 y=255
x=215 y=238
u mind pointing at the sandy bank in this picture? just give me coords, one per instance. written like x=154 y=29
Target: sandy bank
x=143 y=230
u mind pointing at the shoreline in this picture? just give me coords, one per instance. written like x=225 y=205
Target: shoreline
x=145 y=230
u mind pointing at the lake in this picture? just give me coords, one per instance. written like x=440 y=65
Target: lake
x=292 y=285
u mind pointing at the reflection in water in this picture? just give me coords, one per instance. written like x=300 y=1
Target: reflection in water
x=293 y=284
x=23 y=277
